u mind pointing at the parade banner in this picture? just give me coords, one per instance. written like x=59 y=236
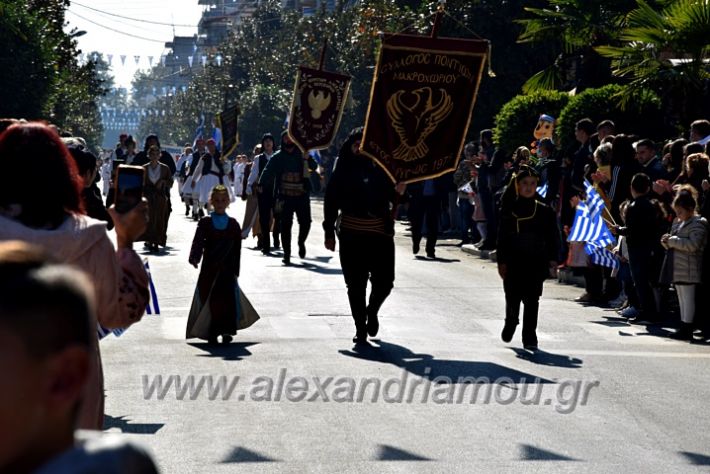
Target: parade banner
x=227 y=122
x=422 y=97
x=318 y=104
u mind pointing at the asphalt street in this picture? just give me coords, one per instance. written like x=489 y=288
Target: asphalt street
x=600 y=396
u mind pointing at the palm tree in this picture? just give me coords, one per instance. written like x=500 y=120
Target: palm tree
x=666 y=51
x=573 y=28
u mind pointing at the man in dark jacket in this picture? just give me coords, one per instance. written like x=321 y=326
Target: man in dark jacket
x=288 y=174
x=362 y=195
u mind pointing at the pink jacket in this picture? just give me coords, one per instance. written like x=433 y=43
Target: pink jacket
x=119 y=278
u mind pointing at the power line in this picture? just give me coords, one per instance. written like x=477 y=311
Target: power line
x=117 y=31
x=132 y=19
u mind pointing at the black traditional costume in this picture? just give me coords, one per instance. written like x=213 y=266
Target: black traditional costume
x=288 y=173
x=364 y=195
x=528 y=241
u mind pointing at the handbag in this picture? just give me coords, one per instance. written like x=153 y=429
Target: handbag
x=666 y=275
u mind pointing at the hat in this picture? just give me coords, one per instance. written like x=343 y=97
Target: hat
x=267 y=136
x=526 y=171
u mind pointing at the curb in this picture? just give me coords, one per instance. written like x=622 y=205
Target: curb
x=565 y=276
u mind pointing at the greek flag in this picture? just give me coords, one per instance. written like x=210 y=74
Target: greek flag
x=594 y=201
x=199 y=132
x=602 y=256
x=315 y=154
x=151 y=308
x=542 y=190
x=217 y=136
x=591 y=228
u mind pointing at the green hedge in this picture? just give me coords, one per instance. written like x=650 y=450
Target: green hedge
x=516 y=121
x=642 y=116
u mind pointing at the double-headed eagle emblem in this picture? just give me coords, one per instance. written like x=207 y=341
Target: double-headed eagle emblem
x=318 y=102
x=414 y=120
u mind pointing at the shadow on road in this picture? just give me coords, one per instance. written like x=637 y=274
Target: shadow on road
x=696 y=459
x=532 y=453
x=437 y=259
x=232 y=351
x=125 y=426
x=243 y=455
x=547 y=358
x=426 y=366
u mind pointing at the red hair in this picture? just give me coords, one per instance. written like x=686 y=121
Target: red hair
x=39 y=175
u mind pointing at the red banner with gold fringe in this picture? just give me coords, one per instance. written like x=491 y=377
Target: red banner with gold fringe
x=318 y=103
x=421 y=102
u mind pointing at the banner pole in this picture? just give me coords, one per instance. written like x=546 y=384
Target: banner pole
x=437 y=20
x=322 y=54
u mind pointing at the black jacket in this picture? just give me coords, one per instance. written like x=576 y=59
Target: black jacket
x=528 y=238
x=358 y=188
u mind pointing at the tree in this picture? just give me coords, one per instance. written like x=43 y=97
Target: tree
x=666 y=51
x=42 y=79
x=26 y=60
x=573 y=28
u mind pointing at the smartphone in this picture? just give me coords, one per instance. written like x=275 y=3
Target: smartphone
x=129 y=187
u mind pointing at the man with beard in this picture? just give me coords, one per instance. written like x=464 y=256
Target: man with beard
x=364 y=195
x=288 y=173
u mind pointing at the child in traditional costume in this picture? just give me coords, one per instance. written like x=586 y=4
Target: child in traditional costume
x=528 y=243
x=218 y=308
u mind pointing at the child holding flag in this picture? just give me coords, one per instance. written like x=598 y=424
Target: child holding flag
x=218 y=307
x=528 y=246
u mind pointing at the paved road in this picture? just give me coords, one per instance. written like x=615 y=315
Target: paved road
x=610 y=396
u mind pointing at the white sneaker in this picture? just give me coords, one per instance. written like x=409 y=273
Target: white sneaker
x=630 y=312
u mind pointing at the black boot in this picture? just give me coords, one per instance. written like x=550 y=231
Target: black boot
x=683 y=333
x=508 y=332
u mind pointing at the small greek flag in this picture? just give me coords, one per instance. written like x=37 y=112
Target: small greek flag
x=315 y=154
x=595 y=203
x=602 y=256
x=590 y=228
x=542 y=190
x=152 y=308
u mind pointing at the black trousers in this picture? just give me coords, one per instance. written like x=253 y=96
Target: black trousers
x=301 y=206
x=363 y=257
x=523 y=288
x=265 y=203
x=421 y=209
x=644 y=274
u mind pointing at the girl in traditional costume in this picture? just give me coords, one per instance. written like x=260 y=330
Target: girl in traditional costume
x=528 y=243
x=219 y=307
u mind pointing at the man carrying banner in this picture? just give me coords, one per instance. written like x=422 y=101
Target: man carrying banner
x=528 y=248
x=364 y=196
x=288 y=174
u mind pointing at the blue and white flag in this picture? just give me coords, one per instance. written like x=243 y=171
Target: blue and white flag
x=151 y=308
x=217 y=136
x=602 y=256
x=594 y=202
x=590 y=228
x=199 y=132
x=315 y=154
x=542 y=190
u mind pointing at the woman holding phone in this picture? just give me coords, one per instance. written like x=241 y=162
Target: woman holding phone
x=60 y=227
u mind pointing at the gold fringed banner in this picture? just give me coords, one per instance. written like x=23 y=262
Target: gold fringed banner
x=421 y=102
x=228 y=123
x=318 y=104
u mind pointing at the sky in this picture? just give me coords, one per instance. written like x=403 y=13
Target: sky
x=132 y=37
